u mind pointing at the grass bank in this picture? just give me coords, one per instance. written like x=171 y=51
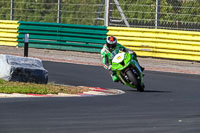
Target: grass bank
x=26 y=88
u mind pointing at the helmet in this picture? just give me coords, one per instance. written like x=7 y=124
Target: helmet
x=111 y=42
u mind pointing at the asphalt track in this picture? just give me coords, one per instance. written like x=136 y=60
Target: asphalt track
x=170 y=104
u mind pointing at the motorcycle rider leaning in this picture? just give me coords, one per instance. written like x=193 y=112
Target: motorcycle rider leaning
x=109 y=50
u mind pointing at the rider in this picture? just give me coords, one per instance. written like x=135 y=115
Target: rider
x=109 y=50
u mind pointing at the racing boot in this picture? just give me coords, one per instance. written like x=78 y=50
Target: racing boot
x=135 y=57
x=142 y=68
x=114 y=77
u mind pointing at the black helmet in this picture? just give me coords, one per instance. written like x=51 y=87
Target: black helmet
x=111 y=42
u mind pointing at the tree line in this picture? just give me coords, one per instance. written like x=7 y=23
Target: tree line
x=138 y=12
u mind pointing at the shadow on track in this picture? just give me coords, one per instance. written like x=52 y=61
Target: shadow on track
x=149 y=91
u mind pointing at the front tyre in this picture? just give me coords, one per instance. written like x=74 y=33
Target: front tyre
x=136 y=82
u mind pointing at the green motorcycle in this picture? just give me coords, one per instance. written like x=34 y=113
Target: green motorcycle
x=128 y=70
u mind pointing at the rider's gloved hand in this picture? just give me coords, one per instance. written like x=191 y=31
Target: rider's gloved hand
x=130 y=52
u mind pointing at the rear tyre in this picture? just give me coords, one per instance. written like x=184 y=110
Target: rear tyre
x=136 y=82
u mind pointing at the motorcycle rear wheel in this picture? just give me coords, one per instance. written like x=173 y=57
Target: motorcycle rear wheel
x=136 y=82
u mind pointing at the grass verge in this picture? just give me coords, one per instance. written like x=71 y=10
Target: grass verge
x=27 y=88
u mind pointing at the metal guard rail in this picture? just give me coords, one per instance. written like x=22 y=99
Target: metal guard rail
x=171 y=44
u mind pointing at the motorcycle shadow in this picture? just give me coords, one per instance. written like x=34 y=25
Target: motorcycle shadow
x=150 y=91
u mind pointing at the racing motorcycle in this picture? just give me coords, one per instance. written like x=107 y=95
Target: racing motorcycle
x=128 y=70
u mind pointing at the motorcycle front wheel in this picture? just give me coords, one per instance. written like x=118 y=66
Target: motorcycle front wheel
x=136 y=82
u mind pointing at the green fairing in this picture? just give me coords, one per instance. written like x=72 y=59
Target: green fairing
x=128 y=60
x=118 y=66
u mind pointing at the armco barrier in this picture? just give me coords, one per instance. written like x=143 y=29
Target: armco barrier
x=8 y=32
x=171 y=44
x=63 y=36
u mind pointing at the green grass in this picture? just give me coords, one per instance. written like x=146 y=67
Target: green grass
x=26 y=88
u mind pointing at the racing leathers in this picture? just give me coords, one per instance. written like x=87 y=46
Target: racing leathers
x=108 y=55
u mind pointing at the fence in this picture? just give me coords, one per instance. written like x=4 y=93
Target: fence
x=161 y=14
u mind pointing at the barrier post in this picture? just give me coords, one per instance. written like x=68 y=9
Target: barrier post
x=106 y=15
x=26 y=41
x=11 y=9
x=157 y=19
x=59 y=12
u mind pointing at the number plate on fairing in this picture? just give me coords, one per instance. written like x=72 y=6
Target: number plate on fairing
x=118 y=58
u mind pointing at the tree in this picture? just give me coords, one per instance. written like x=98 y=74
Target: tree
x=137 y=12
x=5 y=10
